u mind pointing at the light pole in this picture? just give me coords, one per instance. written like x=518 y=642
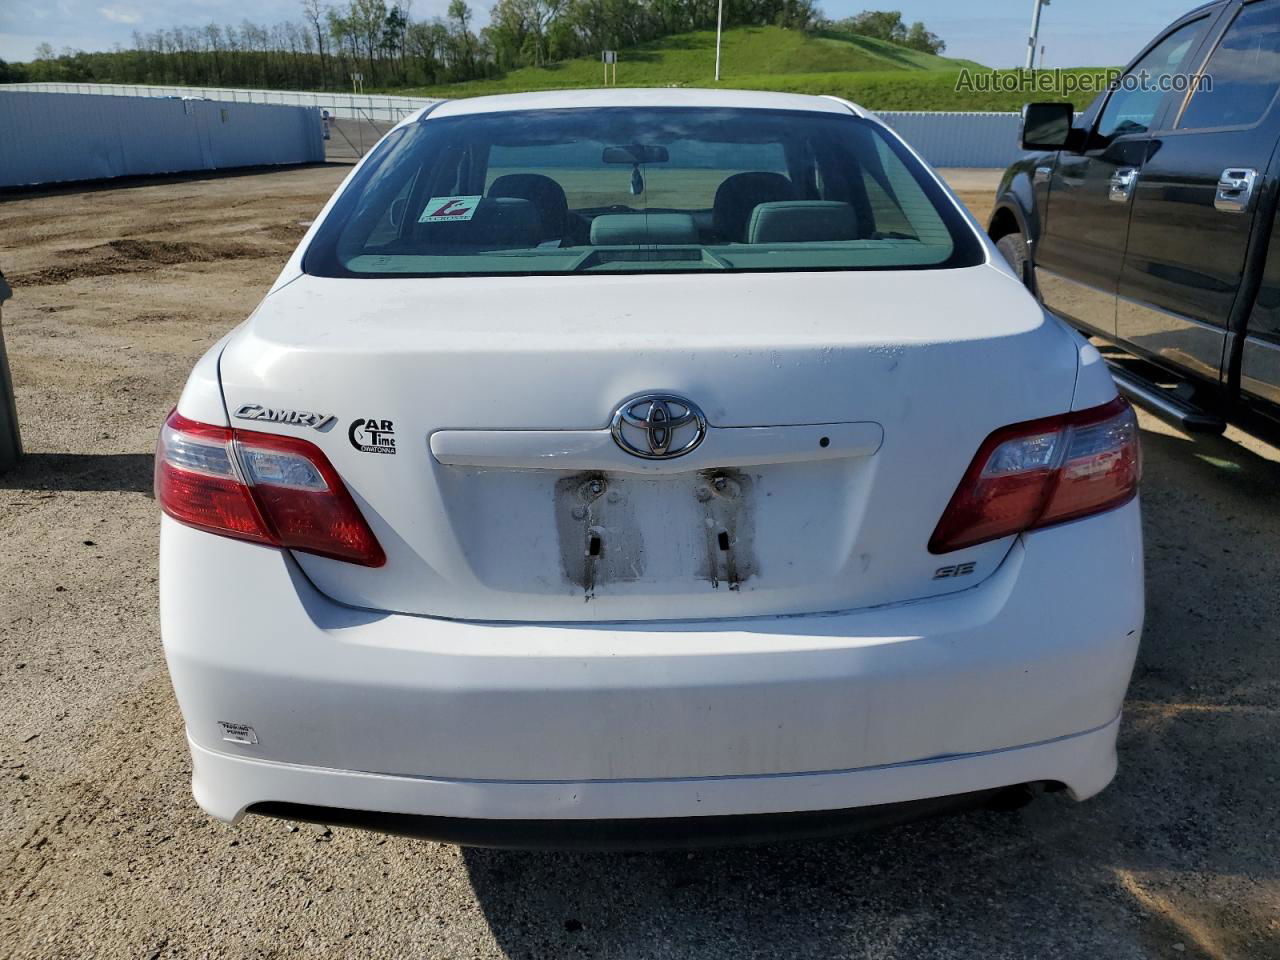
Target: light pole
x=1035 y=32
x=719 y=22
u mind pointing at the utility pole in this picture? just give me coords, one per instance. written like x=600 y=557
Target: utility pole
x=1035 y=32
x=719 y=23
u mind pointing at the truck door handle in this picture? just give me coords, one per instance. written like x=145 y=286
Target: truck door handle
x=1122 y=182
x=1235 y=189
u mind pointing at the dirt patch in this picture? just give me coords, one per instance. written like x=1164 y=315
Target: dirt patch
x=286 y=233
x=132 y=255
x=154 y=318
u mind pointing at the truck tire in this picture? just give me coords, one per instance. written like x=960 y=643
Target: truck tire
x=1015 y=250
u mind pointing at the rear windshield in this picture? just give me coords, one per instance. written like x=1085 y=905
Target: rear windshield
x=636 y=191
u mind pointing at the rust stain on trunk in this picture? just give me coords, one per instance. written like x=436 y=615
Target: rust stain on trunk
x=600 y=540
x=727 y=497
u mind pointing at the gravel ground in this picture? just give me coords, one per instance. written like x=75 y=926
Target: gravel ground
x=104 y=854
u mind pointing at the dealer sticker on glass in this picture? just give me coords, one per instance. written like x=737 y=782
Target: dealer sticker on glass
x=444 y=209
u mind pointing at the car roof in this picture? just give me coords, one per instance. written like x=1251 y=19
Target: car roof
x=642 y=97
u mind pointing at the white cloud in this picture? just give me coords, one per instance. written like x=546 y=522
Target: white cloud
x=120 y=14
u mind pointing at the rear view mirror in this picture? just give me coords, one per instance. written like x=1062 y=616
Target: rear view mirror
x=636 y=153
x=397 y=211
x=1047 y=126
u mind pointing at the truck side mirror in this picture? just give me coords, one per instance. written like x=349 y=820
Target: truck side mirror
x=1047 y=126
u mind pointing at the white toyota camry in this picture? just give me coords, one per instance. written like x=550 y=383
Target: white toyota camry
x=632 y=465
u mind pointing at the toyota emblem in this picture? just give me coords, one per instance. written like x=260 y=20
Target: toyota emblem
x=658 y=426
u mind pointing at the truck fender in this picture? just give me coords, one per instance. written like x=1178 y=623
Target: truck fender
x=1015 y=210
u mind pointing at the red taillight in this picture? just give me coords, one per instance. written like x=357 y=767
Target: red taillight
x=261 y=487
x=1043 y=472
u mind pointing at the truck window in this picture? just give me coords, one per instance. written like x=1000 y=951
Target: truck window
x=1132 y=107
x=1244 y=70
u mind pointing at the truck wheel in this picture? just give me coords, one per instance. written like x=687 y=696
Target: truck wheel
x=1014 y=248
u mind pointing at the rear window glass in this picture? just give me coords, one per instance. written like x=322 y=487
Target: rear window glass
x=636 y=190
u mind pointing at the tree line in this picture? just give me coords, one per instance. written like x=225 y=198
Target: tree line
x=385 y=47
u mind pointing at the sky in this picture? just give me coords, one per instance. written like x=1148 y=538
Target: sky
x=993 y=32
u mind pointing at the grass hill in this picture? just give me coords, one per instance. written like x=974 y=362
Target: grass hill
x=932 y=90
x=830 y=51
x=877 y=74
x=754 y=56
x=689 y=59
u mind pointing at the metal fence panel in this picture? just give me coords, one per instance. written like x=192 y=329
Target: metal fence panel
x=945 y=139
x=51 y=137
x=346 y=106
x=960 y=139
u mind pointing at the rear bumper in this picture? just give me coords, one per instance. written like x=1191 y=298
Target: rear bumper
x=532 y=814
x=1018 y=679
x=652 y=833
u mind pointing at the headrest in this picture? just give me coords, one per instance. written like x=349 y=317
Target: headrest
x=802 y=221
x=498 y=223
x=545 y=194
x=624 y=229
x=739 y=194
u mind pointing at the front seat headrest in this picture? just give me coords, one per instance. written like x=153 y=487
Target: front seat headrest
x=545 y=194
x=739 y=195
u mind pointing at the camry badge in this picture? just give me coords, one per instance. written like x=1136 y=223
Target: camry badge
x=301 y=418
x=658 y=426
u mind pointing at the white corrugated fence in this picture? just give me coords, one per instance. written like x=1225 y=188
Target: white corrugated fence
x=960 y=139
x=951 y=139
x=52 y=137
x=346 y=106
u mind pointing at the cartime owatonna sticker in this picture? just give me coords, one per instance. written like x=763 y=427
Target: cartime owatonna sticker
x=373 y=436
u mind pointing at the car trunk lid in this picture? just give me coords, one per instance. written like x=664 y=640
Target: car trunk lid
x=470 y=418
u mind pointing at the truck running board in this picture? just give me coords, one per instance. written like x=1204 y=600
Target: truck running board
x=1164 y=403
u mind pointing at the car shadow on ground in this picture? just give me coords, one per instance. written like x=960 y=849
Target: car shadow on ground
x=51 y=472
x=1170 y=860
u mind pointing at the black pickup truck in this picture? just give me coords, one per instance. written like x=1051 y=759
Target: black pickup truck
x=1149 y=220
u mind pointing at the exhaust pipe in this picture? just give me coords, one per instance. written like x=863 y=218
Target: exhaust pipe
x=1015 y=797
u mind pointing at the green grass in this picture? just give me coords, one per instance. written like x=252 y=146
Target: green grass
x=689 y=59
x=876 y=74
x=892 y=54
x=934 y=90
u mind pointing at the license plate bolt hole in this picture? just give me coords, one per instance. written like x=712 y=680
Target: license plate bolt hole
x=592 y=489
